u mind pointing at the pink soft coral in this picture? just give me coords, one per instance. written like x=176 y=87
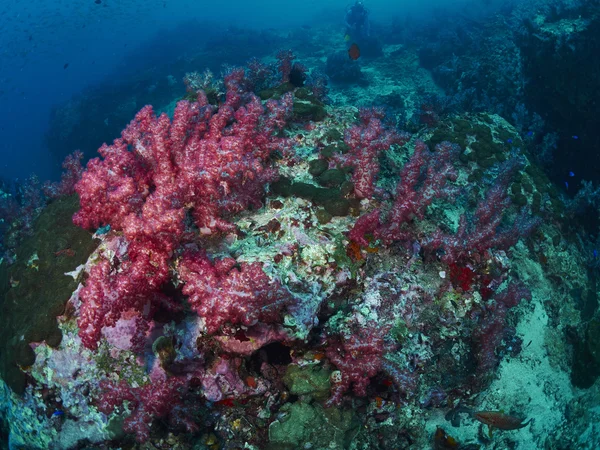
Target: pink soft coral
x=422 y=179
x=358 y=357
x=367 y=140
x=209 y=162
x=224 y=291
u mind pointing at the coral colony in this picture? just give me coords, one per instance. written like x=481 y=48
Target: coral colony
x=258 y=270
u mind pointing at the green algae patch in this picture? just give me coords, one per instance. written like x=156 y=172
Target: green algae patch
x=323 y=216
x=276 y=92
x=399 y=331
x=333 y=135
x=305 y=110
x=331 y=199
x=308 y=380
x=301 y=424
x=317 y=166
x=331 y=178
x=307 y=106
x=330 y=150
x=34 y=290
x=443 y=134
x=486 y=139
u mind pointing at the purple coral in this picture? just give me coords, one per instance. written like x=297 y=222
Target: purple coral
x=484 y=231
x=491 y=329
x=358 y=357
x=71 y=175
x=156 y=400
x=413 y=194
x=367 y=140
x=210 y=162
x=291 y=72
x=108 y=294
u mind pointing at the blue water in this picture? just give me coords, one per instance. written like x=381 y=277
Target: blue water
x=99 y=41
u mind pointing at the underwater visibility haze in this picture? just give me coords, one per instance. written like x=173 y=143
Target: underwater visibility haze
x=317 y=225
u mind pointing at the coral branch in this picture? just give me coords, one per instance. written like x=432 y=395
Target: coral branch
x=491 y=330
x=413 y=194
x=358 y=357
x=367 y=141
x=224 y=291
x=484 y=231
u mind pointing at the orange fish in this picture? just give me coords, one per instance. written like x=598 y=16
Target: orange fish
x=251 y=382
x=318 y=356
x=497 y=419
x=354 y=52
x=443 y=441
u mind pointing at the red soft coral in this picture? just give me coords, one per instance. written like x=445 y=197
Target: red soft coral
x=483 y=232
x=491 y=329
x=358 y=357
x=163 y=398
x=224 y=291
x=367 y=140
x=212 y=162
x=422 y=179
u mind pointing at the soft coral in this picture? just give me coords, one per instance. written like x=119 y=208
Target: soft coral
x=224 y=291
x=358 y=357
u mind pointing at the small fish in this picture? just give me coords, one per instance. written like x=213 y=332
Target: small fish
x=347 y=37
x=318 y=356
x=595 y=253
x=497 y=419
x=103 y=230
x=571 y=174
x=575 y=137
x=443 y=441
x=510 y=141
x=567 y=185
x=251 y=382
x=66 y=65
x=354 y=52
x=530 y=133
x=58 y=413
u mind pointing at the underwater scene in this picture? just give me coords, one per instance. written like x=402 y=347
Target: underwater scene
x=324 y=225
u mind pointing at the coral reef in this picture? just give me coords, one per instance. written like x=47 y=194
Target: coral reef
x=277 y=272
